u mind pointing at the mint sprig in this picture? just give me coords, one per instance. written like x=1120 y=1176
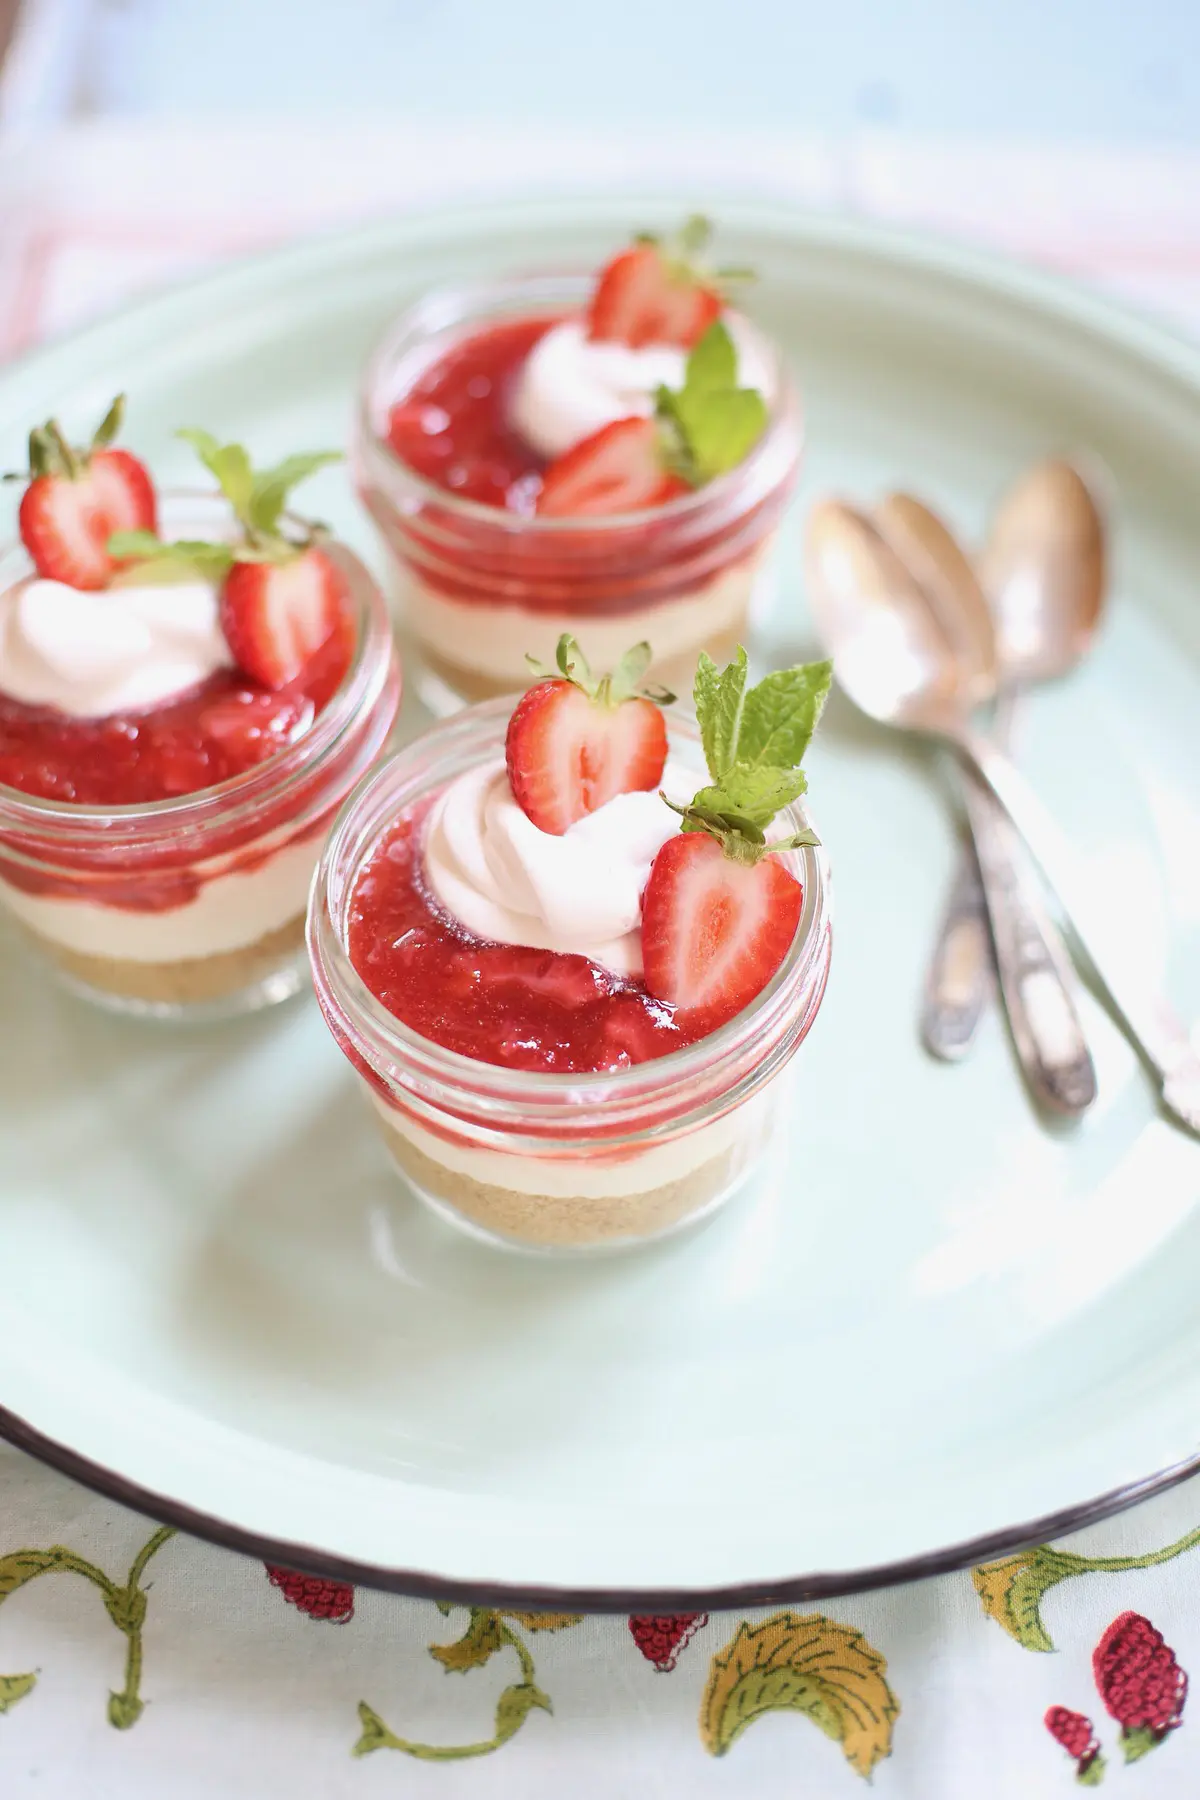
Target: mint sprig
x=256 y=499
x=711 y=423
x=754 y=741
x=624 y=683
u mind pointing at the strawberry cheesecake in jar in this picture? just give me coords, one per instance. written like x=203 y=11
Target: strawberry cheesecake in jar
x=569 y=947
x=603 y=455
x=181 y=714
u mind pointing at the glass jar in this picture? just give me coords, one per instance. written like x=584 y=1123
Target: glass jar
x=194 y=906
x=479 y=586
x=557 y=1162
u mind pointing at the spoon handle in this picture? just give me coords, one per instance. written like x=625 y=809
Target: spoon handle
x=959 y=979
x=1036 y=977
x=1149 y=1022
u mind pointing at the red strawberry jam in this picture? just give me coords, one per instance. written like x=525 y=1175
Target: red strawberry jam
x=209 y=734
x=452 y=426
x=498 y=1003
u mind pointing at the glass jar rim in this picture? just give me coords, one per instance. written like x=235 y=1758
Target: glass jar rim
x=225 y=803
x=740 y=1055
x=780 y=441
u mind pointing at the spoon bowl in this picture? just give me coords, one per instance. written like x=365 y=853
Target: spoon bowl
x=1044 y=570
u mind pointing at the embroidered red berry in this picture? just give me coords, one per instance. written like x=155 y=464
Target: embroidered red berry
x=661 y=1636
x=312 y=1594
x=1077 y=1737
x=1140 y=1683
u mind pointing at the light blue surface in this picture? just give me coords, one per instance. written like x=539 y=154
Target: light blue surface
x=1044 y=68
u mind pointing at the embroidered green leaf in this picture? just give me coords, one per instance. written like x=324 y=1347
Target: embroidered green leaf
x=802 y=1664
x=1011 y=1591
x=124 y=1710
x=545 y=1621
x=482 y=1638
x=21 y=1566
x=126 y=1607
x=514 y=1707
x=14 y=1688
x=375 y=1734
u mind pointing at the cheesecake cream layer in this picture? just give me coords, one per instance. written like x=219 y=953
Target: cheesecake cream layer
x=597 y=1176
x=491 y=641
x=229 y=912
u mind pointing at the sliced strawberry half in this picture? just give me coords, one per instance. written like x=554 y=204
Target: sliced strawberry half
x=276 y=615
x=569 y=754
x=619 y=469
x=714 y=930
x=645 y=297
x=77 y=499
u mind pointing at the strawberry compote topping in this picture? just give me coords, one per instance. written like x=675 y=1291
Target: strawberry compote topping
x=452 y=427
x=215 y=731
x=498 y=1003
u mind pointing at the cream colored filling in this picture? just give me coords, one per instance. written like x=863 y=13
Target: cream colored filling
x=592 y=1175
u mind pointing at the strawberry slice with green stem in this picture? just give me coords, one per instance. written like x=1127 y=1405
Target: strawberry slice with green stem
x=576 y=741
x=282 y=598
x=719 y=912
x=696 y=433
x=660 y=291
x=77 y=498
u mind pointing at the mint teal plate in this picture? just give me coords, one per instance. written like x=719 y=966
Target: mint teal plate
x=940 y=1328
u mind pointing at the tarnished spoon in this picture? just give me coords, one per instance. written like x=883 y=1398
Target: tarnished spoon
x=1037 y=980
x=895 y=661
x=1044 y=572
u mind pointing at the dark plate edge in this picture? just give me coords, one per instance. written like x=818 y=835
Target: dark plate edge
x=416 y=1584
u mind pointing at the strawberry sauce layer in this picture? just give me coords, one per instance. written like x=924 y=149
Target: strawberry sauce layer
x=452 y=427
x=208 y=735
x=497 y=1003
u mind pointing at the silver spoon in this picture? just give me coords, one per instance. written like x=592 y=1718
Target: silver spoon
x=1044 y=570
x=1000 y=900
x=897 y=664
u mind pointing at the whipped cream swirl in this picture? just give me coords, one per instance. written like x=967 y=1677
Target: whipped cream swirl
x=570 y=386
x=580 y=894
x=124 y=648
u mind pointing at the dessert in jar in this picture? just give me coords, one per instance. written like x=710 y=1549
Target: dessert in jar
x=180 y=717
x=569 y=947
x=604 y=455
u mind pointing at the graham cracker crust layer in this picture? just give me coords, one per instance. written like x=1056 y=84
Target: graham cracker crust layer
x=183 y=983
x=677 y=673
x=552 y=1221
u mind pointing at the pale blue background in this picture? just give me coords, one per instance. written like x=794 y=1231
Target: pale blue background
x=1101 y=69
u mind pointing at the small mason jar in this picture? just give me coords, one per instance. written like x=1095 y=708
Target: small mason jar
x=557 y=1162
x=194 y=906
x=480 y=586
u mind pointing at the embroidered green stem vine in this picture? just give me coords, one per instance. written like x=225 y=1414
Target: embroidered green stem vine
x=124 y=1602
x=1011 y=1590
x=487 y=1632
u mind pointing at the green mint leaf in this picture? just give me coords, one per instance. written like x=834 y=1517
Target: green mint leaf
x=719 y=700
x=780 y=715
x=271 y=488
x=722 y=426
x=754 y=793
x=186 y=559
x=110 y=424
x=135 y=544
x=230 y=466
x=712 y=363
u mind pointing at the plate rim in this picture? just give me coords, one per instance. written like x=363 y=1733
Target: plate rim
x=1157 y=342
x=734 y=1597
